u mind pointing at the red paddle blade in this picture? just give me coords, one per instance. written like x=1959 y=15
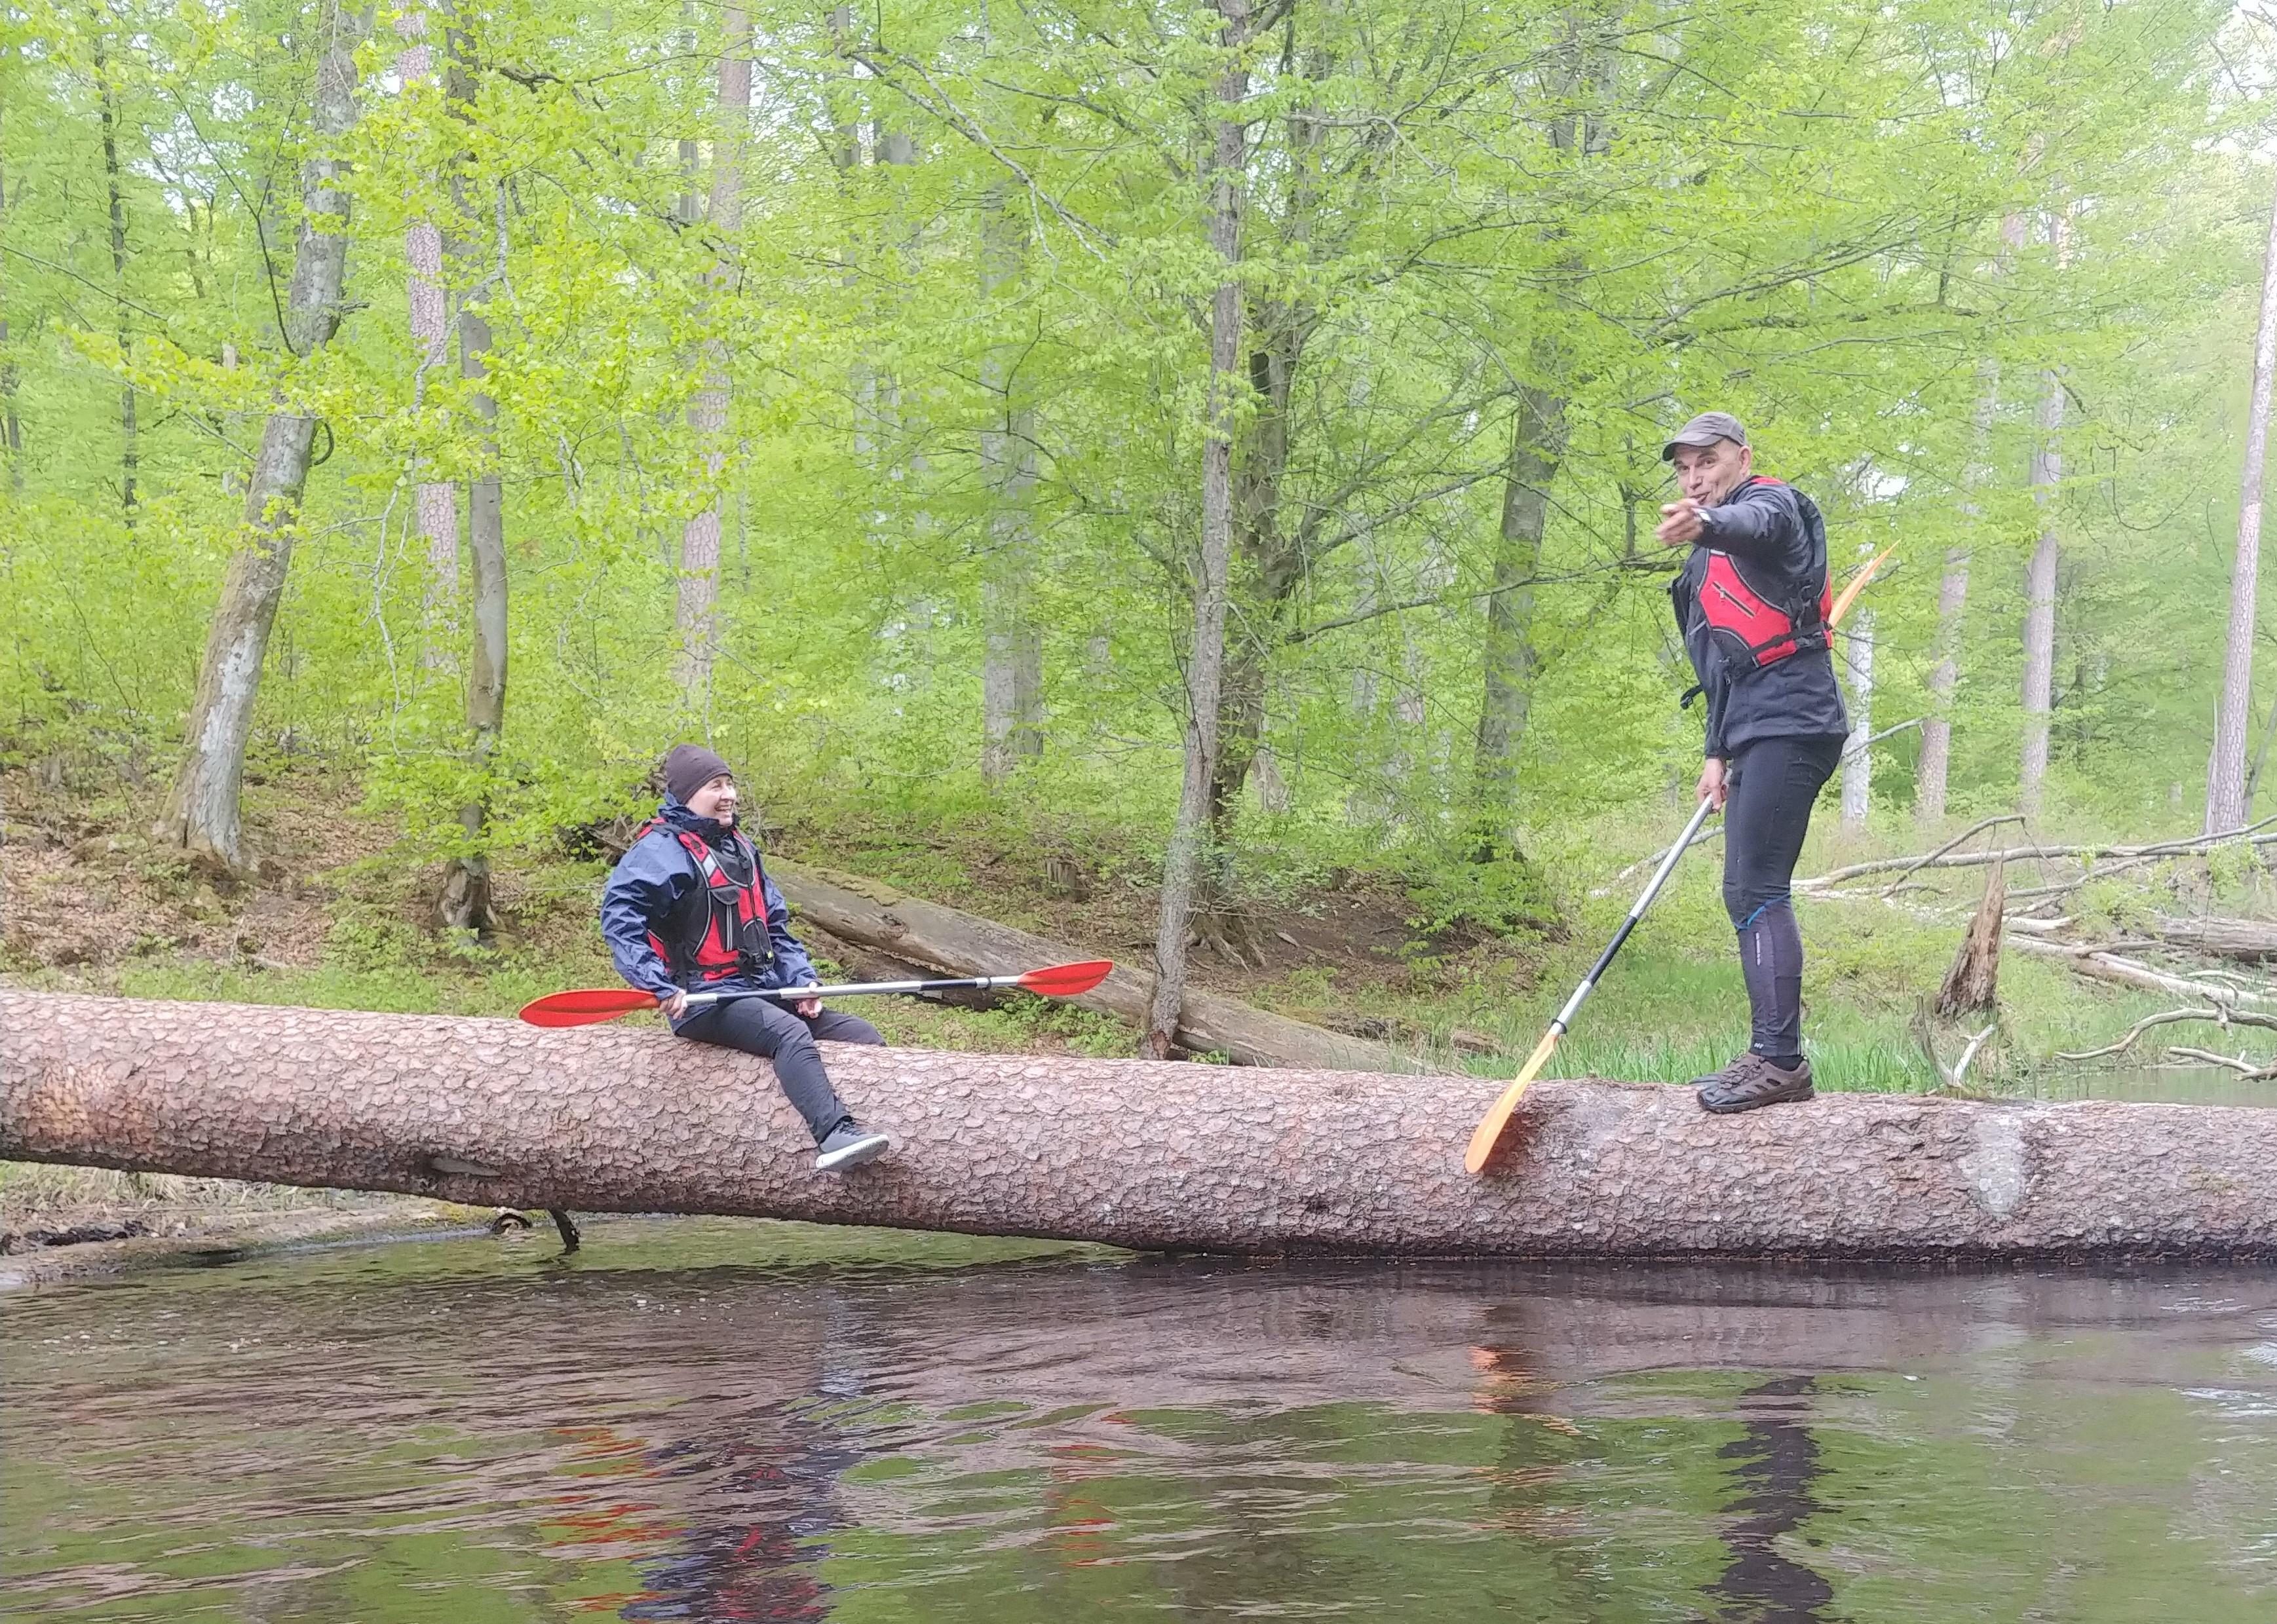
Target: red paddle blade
x=585 y=1006
x=1065 y=980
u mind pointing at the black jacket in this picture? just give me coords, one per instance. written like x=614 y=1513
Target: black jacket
x=1768 y=527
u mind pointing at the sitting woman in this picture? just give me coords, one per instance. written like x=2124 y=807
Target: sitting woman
x=689 y=909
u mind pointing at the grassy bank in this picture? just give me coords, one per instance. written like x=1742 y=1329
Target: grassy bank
x=336 y=918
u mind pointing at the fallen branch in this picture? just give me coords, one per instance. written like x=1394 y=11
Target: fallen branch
x=2253 y=1071
x=2223 y=1017
x=1653 y=861
x=1977 y=828
x=1945 y=857
x=2105 y=965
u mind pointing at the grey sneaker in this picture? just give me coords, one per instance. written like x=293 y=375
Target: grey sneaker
x=1752 y=1081
x=849 y=1144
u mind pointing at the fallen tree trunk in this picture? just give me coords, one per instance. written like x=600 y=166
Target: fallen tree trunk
x=956 y=943
x=2250 y=939
x=1131 y=1152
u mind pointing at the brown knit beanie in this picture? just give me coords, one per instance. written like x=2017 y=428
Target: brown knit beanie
x=688 y=768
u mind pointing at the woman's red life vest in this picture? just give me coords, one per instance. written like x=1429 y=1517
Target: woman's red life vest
x=720 y=929
x=1754 y=628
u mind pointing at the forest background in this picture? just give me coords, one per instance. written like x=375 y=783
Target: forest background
x=1203 y=457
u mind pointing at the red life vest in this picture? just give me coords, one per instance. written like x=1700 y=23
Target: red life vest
x=720 y=929
x=1752 y=626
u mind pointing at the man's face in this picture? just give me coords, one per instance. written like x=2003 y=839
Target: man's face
x=716 y=799
x=1708 y=474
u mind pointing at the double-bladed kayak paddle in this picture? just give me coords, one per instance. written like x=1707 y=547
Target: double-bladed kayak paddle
x=588 y=1006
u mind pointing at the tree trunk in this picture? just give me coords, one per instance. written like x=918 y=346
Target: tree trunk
x=436 y=501
x=1182 y=864
x=1537 y=445
x=2040 y=575
x=107 y=107
x=950 y=942
x=1011 y=672
x=202 y=811
x=1930 y=777
x=12 y=428
x=2226 y=771
x=628 y=1119
x=1858 y=750
x=707 y=414
x=465 y=901
x=1972 y=985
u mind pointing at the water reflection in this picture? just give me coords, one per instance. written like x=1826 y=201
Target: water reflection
x=1777 y=1462
x=678 y=1435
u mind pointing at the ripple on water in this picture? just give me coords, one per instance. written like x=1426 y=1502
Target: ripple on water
x=701 y=1420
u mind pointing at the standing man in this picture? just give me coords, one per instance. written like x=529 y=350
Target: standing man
x=689 y=908
x=1751 y=602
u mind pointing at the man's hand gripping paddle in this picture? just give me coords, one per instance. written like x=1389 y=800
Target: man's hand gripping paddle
x=592 y=1004
x=1488 y=1135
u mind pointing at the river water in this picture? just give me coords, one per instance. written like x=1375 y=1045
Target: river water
x=708 y=1420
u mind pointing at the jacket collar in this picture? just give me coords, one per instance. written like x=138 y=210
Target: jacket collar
x=711 y=830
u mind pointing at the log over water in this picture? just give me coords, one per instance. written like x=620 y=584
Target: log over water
x=1133 y=1153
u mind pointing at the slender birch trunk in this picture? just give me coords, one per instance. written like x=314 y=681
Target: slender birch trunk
x=1011 y=672
x=12 y=428
x=201 y=813
x=2226 y=770
x=1857 y=750
x=1182 y=865
x=2040 y=575
x=436 y=501
x=1931 y=776
x=707 y=414
x=107 y=109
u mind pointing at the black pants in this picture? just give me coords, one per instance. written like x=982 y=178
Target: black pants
x=776 y=1032
x=1770 y=788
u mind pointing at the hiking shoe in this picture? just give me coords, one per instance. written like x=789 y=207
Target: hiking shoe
x=849 y=1144
x=1752 y=1081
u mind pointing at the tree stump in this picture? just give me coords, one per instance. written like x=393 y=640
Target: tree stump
x=1972 y=986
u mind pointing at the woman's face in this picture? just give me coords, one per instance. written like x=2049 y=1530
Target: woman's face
x=716 y=799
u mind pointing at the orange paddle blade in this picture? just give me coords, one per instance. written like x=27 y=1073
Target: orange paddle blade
x=585 y=1006
x=1857 y=585
x=1066 y=981
x=1488 y=1135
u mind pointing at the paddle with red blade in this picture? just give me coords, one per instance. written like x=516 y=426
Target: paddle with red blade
x=589 y=1006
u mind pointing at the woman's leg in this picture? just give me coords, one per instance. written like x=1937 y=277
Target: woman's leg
x=761 y=1027
x=835 y=1026
x=1774 y=784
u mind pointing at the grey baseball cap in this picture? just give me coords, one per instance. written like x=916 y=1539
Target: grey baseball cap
x=1704 y=430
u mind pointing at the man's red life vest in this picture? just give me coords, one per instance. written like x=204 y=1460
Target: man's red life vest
x=1754 y=628
x=720 y=929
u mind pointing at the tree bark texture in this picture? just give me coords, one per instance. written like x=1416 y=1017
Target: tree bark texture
x=952 y=942
x=1129 y=1153
x=1012 y=664
x=107 y=109
x=1858 y=749
x=1972 y=984
x=707 y=415
x=2226 y=769
x=2040 y=575
x=201 y=813
x=465 y=902
x=1537 y=447
x=436 y=501
x=1182 y=865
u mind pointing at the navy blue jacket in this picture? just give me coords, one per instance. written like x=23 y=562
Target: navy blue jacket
x=1763 y=527
x=650 y=880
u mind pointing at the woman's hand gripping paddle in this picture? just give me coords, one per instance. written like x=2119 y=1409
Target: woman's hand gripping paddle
x=592 y=1004
x=1489 y=1132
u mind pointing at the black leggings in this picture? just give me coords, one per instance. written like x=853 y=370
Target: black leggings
x=775 y=1032
x=1770 y=788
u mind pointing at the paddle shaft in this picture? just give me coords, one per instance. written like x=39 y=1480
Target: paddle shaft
x=793 y=995
x=1565 y=1020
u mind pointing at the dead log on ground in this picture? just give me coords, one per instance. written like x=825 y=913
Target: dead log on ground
x=1131 y=1152
x=2251 y=939
x=872 y=915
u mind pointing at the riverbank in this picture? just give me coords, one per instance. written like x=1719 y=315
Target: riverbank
x=336 y=918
